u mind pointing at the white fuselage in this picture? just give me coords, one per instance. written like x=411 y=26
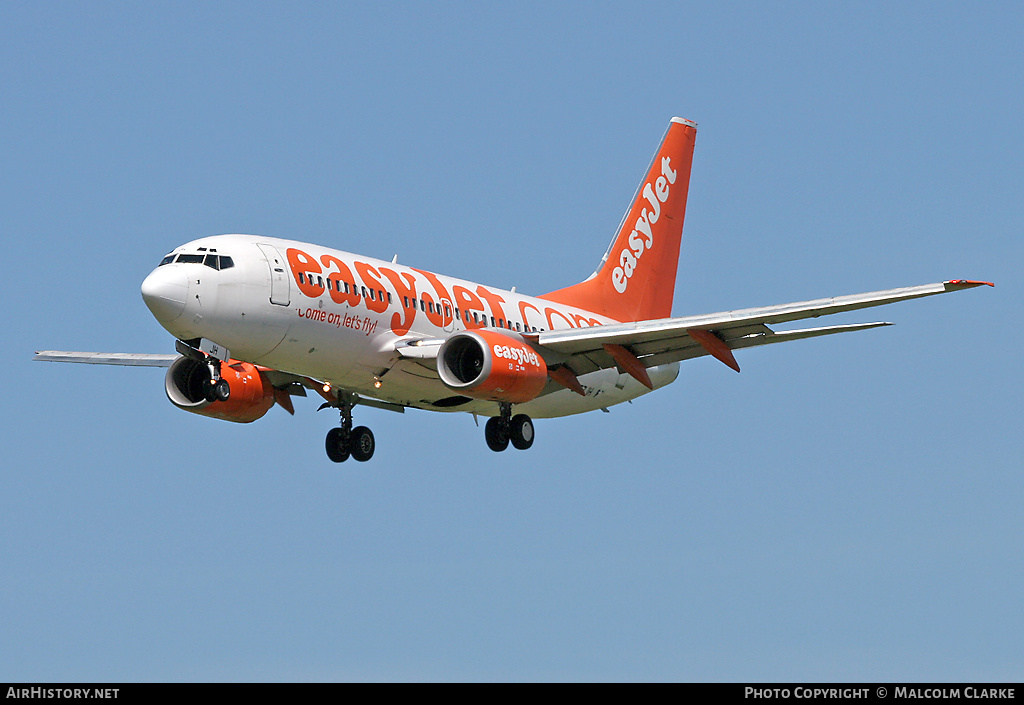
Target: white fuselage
x=336 y=317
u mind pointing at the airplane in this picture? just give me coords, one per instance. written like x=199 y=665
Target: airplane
x=258 y=320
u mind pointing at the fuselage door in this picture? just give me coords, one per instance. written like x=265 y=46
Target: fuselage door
x=448 y=315
x=279 y=288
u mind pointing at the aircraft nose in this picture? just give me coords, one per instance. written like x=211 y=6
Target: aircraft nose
x=165 y=291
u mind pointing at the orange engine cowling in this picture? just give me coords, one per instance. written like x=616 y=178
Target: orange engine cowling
x=486 y=364
x=251 y=394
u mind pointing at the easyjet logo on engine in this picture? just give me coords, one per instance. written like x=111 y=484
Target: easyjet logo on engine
x=522 y=356
x=630 y=256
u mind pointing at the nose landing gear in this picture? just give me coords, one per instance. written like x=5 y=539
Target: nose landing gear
x=215 y=387
x=500 y=430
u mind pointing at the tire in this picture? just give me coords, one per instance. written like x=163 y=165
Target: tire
x=210 y=390
x=520 y=431
x=362 y=443
x=337 y=446
x=496 y=434
x=221 y=390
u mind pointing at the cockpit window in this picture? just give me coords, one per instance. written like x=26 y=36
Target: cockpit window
x=212 y=261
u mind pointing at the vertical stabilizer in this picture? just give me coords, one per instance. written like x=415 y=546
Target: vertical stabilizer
x=637 y=277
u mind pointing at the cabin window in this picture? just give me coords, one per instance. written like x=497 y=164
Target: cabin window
x=302 y=278
x=389 y=298
x=492 y=321
x=405 y=301
x=320 y=282
x=517 y=326
x=373 y=297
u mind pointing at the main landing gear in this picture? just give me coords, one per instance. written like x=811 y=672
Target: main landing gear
x=500 y=430
x=346 y=441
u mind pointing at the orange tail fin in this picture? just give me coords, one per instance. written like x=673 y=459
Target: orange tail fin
x=637 y=277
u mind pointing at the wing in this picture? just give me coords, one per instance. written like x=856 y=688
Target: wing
x=634 y=347
x=651 y=343
x=95 y=358
x=285 y=384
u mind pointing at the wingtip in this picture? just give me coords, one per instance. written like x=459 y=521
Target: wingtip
x=967 y=283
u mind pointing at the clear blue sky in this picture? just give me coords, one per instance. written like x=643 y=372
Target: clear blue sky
x=846 y=508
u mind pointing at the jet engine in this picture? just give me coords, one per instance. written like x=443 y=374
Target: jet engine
x=486 y=364
x=251 y=393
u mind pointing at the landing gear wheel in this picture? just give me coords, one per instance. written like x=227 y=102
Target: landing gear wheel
x=520 y=431
x=337 y=445
x=217 y=390
x=362 y=444
x=222 y=390
x=496 y=434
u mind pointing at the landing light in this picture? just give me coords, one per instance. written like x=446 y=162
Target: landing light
x=327 y=386
x=376 y=383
